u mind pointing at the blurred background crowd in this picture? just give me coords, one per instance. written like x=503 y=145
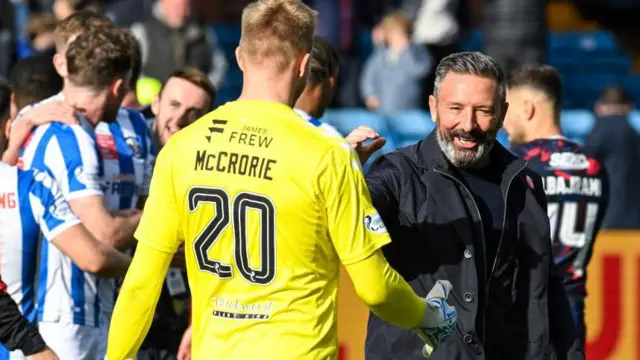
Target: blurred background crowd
x=389 y=49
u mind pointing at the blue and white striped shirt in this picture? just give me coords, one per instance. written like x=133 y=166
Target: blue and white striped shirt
x=31 y=204
x=113 y=160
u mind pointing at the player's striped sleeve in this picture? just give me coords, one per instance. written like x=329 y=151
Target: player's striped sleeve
x=73 y=161
x=50 y=210
x=149 y=160
x=355 y=227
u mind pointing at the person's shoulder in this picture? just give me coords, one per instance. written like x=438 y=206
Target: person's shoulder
x=395 y=167
x=403 y=158
x=330 y=130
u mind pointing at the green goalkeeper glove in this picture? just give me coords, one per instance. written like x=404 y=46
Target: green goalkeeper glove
x=440 y=317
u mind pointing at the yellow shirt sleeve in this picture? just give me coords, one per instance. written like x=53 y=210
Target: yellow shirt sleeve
x=137 y=302
x=160 y=224
x=386 y=293
x=355 y=227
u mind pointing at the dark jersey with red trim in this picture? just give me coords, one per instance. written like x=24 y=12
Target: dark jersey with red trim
x=577 y=192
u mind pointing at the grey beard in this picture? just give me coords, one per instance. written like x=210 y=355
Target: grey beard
x=468 y=159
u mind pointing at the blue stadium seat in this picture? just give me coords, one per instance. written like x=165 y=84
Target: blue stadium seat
x=634 y=120
x=631 y=83
x=233 y=78
x=365 y=44
x=227 y=35
x=410 y=124
x=606 y=64
x=576 y=44
x=587 y=87
x=576 y=124
x=472 y=41
x=345 y=120
x=597 y=42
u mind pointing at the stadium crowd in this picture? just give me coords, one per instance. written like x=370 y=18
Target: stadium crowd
x=141 y=218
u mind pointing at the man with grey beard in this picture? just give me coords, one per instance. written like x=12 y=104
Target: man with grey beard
x=460 y=207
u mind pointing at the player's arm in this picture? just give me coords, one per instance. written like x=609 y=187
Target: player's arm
x=384 y=291
x=78 y=176
x=137 y=301
x=158 y=237
x=16 y=332
x=60 y=226
x=358 y=233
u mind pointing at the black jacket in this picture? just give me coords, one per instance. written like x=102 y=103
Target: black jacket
x=621 y=158
x=436 y=233
x=16 y=332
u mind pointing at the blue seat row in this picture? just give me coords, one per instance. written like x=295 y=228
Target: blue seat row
x=408 y=127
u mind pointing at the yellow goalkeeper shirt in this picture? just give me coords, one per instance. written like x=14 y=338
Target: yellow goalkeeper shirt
x=268 y=206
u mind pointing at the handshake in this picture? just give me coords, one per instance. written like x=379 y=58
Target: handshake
x=440 y=317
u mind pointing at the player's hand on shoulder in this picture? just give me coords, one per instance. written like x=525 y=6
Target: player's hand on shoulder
x=18 y=133
x=57 y=111
x=440 y=317
x=46 y=354
x=357 y=140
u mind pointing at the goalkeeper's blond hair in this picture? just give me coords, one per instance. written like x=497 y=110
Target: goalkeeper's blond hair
x=275 y=32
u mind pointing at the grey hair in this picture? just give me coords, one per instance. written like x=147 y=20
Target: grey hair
x=471 y=63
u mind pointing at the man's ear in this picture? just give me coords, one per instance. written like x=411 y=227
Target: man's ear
x=529 y=110
x=60 y=63
x=433 y=108
x=332 y=82
x=239 y=58
x=117 y=87
x=13 y=109
x=304 y=65
x=155 y=105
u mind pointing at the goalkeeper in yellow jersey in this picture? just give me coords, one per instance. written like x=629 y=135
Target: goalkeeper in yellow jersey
x=268 y=206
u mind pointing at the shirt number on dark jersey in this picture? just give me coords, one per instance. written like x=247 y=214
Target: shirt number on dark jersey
x=242 y=203
x=566 y=226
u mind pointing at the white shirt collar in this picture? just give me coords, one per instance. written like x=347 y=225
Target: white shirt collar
x=302 y=113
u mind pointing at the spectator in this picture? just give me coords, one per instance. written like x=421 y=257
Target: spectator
x=170 y=40
x=187 y=95
x=7 y=37
x=393 y=74
x=41 y=32
x=614 y=142
x=184 y=98
x=515 y=32
x=438 y=27
x=64 y=8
